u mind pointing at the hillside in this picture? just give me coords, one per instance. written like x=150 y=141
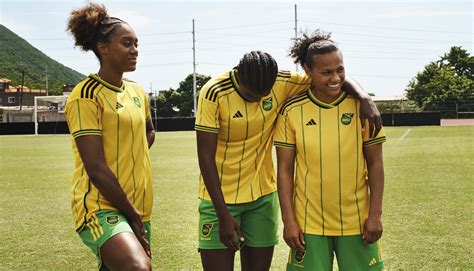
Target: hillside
x=17 y=54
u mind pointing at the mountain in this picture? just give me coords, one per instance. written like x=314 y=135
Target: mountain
x=17 y=54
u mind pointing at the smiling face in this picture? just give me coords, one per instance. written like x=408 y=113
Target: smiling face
x=327 y=74
x=121 y=52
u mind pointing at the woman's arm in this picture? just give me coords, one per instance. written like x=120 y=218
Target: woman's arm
x=150 y=133
x=373 y=225
x=228 y=227
x=292 y=232
x=368 y=109
x=91 y=151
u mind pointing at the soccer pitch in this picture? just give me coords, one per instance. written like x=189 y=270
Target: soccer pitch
x=428 y=202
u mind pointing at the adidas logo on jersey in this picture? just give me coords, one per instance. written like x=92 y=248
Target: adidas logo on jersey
x=311 y=122
x=118 y=105
x=237 y=115
x=372 y=262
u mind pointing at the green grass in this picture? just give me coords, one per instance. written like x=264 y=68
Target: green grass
x=428 y=202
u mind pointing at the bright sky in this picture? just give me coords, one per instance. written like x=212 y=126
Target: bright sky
x=385 y=43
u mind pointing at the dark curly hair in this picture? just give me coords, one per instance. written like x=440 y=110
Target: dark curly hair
x=257 y=70
x=317 y=43
x=92 y=24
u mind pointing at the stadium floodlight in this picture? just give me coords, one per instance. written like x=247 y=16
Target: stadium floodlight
x=50 y=108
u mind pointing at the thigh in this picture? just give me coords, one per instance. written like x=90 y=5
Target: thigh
x=209 y=225
x=260 y=221
x=124 y=252
x=353 y=254
x=318 y=254
x=107 y=229
x=217 y=259
x=256 y=258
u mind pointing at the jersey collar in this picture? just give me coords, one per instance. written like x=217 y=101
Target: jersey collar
x=107 y=85
x=325 y=105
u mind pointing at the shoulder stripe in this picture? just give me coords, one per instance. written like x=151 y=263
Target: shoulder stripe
x=284 y=74
x=90 y=90
x=211 y=88
x=214 y=98
x=89 y=80
x=212 y=92
x=298 y=98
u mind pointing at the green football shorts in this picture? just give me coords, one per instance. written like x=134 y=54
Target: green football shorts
x=102 y=226
x=258 y=222
x=351 y=254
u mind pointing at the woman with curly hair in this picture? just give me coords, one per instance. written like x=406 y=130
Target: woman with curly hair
x=331 y=201
x=109 y=120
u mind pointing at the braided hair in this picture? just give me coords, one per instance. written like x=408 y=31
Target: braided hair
x=316 y=44
x=92 y=24
x=258 y=71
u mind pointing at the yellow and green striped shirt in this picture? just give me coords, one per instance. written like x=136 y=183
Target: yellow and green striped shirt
x=245 y=130
x=119 y=115
x=331 y=192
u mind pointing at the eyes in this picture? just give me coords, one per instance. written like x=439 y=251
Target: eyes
x=127 y=42
x=328 y=72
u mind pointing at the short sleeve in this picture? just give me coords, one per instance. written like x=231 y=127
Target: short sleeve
x=379 y=138
x=84 y=117
x=284 y=134
x=292 y=82
x=207 y=115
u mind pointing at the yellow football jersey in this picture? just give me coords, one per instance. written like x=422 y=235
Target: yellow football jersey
x=331 y=192
x=119 y=115
x=245 y=130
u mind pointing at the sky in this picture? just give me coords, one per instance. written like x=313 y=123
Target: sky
x=384 y=43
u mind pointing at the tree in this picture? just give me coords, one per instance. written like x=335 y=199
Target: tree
x=445 y=83
x=182 y=97
x=179 y=102
x=164 y=105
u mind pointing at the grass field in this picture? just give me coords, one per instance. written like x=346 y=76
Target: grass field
x=428 y=202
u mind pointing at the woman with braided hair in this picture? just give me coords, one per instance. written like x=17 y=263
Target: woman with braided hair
x=235 y=118
x=109 y=120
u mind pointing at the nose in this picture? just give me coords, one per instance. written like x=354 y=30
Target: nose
x=134 y=50
x=335 y=78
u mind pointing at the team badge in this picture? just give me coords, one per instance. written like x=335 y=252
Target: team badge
x=206 y=229
x=299 y=255
x=137 y=102
x=346 y=118
x=267 y=104
x=112 y=219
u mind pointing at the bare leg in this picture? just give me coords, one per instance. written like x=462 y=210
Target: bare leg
x=124 y=252
x=256 y=258
x=217 y=259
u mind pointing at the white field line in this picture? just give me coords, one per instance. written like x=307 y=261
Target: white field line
x=404 y=135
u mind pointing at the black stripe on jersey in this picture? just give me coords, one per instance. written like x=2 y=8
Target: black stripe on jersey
x=90 y=90
x=85 y=85
x=297 y=98
x=214 y=97
x=285 y=74
x=374 y=141
x=212 y=88
x=85 y=200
